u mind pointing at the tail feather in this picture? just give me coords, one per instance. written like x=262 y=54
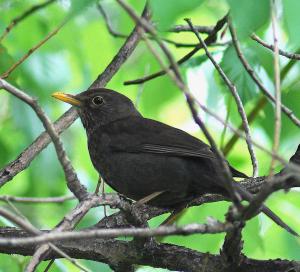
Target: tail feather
x=236 y=173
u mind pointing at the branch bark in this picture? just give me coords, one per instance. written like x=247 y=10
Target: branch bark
x=152 y=254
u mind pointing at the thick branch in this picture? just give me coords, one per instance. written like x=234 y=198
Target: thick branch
x=153 y=254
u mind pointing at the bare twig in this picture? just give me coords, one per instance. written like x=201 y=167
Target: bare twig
x=108 y=23
x=209 y=40
x=237 y=98
x=294 y=56
x=68 y=223
x=58 y=199
x=23 y=16
x=252 y=74
x=185 y=28
x=251 y=117
x=116 y=34
x=32 y=50
x=239 y=134
x=71 y=177
x=26 y=225
x=277 y=127
x=30 y=153
x=258 y=107
x=209 y=29
x=212 y=227
x=273 y=184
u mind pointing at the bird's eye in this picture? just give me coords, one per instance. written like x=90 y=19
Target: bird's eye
x=98 y=100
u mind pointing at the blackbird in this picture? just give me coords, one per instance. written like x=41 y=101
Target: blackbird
x=140 y=157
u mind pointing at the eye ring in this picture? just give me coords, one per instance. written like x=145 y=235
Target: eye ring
x=98 y=100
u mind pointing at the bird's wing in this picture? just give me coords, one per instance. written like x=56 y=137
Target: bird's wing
x=173 y=150
x=149 y=136
x=141 y=135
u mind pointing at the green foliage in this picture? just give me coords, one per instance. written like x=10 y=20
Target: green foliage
x=165 y=12
x=233 y=68
x=290 y=98
x=292 y=20
x=249 y=16
x=74 y=57
x=79 y=6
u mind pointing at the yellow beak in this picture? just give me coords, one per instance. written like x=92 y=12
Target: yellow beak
x=68 y=98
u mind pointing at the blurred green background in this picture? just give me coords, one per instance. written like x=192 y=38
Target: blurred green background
x=73 y=58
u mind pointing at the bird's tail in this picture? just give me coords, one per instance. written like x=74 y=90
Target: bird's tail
x=248 y=197
x=237 y=173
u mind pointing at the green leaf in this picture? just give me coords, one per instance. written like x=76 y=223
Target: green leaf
x=237 y=74
x=252 y=235
x=198 y=60
x=249 y=15
x=292 y=20
x=6 y=61
x=165 y=12
x=290 y=98
x=77 y=6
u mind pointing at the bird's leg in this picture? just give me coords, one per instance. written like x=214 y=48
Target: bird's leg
x=101 y=187
x=147 y=198
x=103 y=191
x=100 y=181
x=174 y=215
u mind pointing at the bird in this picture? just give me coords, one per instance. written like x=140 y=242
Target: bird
x=144 y=159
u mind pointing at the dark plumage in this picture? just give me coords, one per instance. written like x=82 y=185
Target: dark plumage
x=138 y=156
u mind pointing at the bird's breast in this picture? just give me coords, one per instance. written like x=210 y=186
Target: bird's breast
x=99 y=150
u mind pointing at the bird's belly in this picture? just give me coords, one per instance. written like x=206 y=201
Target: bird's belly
x=137 y=177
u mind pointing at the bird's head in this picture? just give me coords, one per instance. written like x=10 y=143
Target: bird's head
x=99 y=106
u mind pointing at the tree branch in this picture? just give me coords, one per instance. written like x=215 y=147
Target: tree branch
x=237 y=98
x=209 y=40
x=153 y=254
x=23 y=16
x=71 y=177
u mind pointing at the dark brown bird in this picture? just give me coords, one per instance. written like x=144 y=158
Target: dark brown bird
x=139 y=157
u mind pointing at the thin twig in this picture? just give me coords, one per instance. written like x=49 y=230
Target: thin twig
x=239 y=134
x=293 y=56
x=108 y=23
x=273 y=184
x=32 y=50
x=251 y=117
x=277 y=127
x=212 y=227
x=26 y=225
x=68 y=223
x=185 y=28
x=223 y=134
x=209 y=40
x=209 y=29
x=24 y=159
x=58 y=199
x=116 y=34
x=252 y=74
x=23 y=16
x=237 y=98
x=71 y=177
x=258 y=107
